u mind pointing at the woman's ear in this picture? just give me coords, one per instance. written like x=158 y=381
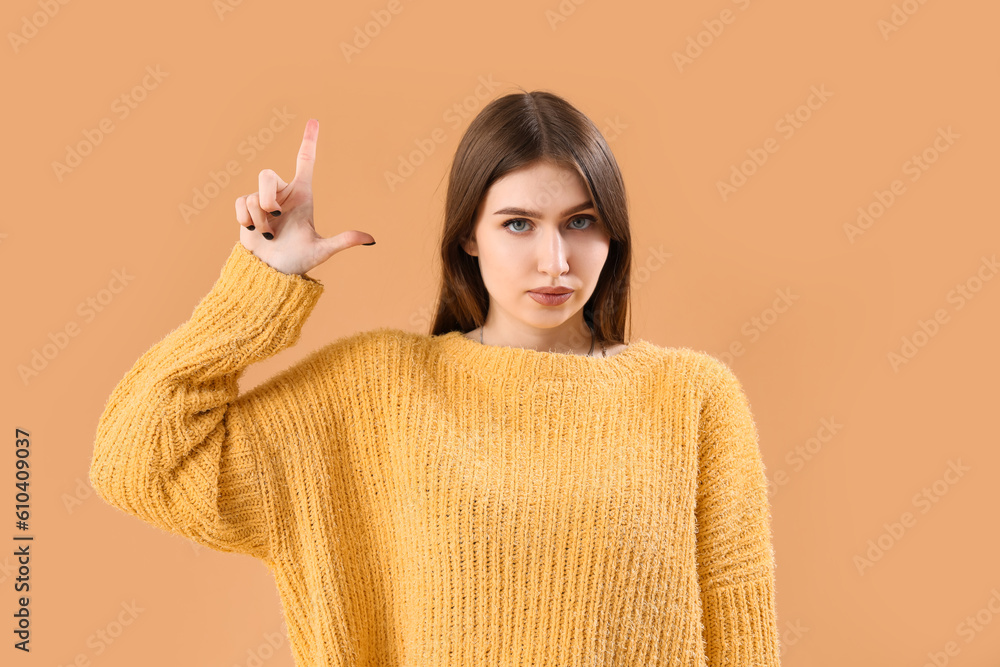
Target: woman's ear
x=469 y=242
x=470 y=247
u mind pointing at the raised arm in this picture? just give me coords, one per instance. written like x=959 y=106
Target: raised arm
x=176 y=446
x=735 y=552
x=172 y=447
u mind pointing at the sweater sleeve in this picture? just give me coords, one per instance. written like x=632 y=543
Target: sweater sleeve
x=172 y=446
x=734 y=548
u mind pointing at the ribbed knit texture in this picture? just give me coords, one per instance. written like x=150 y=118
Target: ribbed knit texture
x=428 y=500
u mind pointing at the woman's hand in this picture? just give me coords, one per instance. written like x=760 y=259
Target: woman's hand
x=277 y=220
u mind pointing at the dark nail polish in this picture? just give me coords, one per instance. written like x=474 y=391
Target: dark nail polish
x=372 y=243
x=276 y=213
x=268 y=235
x=250 y=227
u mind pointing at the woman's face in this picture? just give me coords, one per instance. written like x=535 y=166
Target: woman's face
x=537 y=228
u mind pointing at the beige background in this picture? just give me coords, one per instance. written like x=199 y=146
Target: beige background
x=709 y=269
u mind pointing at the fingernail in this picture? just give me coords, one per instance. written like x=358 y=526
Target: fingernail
x=372 y=243
x=268 y=235
x=250 y=227
x=276 y=213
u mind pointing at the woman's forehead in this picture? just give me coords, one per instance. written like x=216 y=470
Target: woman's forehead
x=538 y=187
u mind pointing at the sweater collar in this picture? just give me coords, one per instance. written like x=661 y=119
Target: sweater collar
x=500 y=361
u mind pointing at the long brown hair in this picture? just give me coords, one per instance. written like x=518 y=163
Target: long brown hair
x=512 y=132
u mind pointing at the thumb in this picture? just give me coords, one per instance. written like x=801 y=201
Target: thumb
x=332 y=245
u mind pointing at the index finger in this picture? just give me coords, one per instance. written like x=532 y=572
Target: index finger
x=307 y=153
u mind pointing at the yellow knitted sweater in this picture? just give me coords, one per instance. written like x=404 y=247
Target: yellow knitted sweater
x=428 y=500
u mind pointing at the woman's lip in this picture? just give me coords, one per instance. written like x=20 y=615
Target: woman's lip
x=550 y=299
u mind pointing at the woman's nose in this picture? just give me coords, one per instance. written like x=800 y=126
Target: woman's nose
x=553 y=255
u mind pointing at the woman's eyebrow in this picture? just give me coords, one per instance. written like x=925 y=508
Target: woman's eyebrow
x=512 y=210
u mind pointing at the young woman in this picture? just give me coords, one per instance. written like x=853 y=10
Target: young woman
x=519 y=486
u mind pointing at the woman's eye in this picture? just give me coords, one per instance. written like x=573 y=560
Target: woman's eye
x=514 y=222
x=517 y=221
